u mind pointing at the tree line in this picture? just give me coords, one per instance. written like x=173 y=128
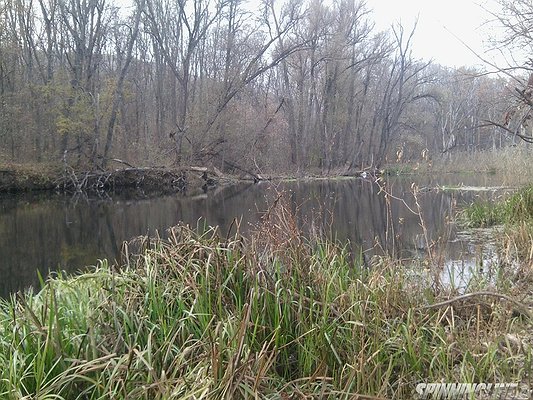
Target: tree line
x=286 y=86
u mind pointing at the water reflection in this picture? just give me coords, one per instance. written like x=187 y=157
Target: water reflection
x=42 y=233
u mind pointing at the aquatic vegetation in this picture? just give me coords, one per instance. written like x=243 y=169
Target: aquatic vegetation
x=514 y=214
x=278 y=316
x=482 y=215
x=517 y=208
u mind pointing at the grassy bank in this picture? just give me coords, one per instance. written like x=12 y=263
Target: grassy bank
x=514 y=209
x=511 y=164
x=276 y=317
x=515 y=214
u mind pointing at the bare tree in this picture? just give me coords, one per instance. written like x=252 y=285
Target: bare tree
x=124 y=56
x=293 y=85
x=178 y=31
x=515 y=18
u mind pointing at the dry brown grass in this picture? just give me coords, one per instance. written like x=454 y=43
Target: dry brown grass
x=512 y=164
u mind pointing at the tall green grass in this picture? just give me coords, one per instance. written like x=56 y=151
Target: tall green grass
x=517 y=208
x=200 y=316
x=514 y=243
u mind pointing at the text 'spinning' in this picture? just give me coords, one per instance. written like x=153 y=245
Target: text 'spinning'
x=465 y=390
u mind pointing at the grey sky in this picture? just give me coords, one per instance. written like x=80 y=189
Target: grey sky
x=440 y=23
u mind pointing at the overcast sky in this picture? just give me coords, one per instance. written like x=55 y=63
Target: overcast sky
x=439 y=21
x=440 y=24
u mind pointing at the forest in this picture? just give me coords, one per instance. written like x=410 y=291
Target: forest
x=334 y=278
x=267 y=86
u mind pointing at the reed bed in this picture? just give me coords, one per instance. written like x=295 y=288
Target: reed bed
x=510 y=164
x=514 y=214
x=206 y=316
x=517 y=208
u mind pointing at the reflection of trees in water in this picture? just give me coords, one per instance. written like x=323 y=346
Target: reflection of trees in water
x=435 y=207
x=56 y=233
x=53 y=232
x=360 y=212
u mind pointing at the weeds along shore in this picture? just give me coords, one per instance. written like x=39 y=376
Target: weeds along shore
x=514 y=214
x=277 y=316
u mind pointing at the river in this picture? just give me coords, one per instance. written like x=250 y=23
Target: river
x=45 y=232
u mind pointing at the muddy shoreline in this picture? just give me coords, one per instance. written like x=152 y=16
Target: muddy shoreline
x=17 y=179
x=21 y=179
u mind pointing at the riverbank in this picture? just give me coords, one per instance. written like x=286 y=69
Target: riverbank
x=210 y=315
x=510 y=165
x=16 y=178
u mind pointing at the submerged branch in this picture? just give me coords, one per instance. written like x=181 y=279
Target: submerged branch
x=523 y=309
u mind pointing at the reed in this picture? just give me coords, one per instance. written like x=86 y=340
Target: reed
x=198 y=315
x=514 y=214
x=515 y=208
x=510 y=164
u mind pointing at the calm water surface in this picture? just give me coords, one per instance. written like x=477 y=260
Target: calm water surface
x=44 y=233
